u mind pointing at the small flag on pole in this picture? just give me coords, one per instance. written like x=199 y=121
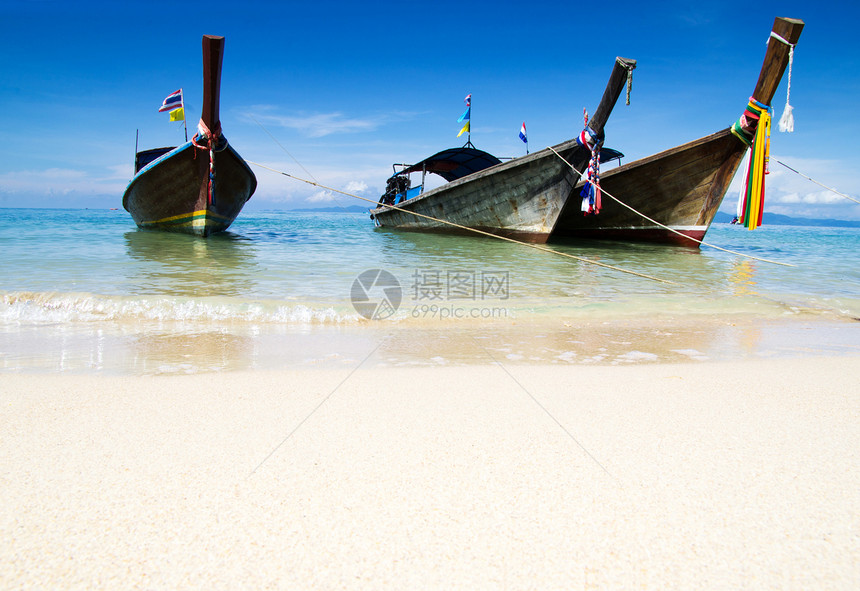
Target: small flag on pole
x=178 y=114
x=175 y=105
x=466 y=115
x=523 y=133
x=465 y=129
x=173 y=101
x=468 y=100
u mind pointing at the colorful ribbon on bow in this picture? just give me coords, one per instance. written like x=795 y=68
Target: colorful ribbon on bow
x=753 y=128
x=591 y=201
x=211 y=139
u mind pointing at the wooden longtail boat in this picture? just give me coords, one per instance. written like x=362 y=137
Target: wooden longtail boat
x=198 y=187
x=682 y=187
x=531 y=198
x=521 y=198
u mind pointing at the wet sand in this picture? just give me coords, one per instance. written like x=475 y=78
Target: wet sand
x=145 y=348
x=499 y=475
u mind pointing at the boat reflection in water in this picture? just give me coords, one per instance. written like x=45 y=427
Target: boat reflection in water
x=184 y=318
x=180 y=265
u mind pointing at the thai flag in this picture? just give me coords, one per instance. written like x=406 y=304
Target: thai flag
x=173 y=101
x=468 y=100
x=523 y=133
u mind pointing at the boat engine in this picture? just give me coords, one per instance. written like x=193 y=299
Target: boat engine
x=394 y=186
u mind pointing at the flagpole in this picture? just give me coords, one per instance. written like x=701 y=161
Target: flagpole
x=467 y=116
x=184 y=116
x=524 y=135
x=469 y=135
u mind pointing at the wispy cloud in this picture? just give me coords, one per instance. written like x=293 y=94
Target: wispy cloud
x=316 y=125
x=57 y=181
x=320 y=124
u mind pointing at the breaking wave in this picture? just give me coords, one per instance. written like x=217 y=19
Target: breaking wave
x=47 y=308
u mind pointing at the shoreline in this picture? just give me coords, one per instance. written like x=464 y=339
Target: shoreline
x=704 y=475
x=173 y=348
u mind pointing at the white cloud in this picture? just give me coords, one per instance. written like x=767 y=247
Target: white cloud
x=789 y=192
x=122 y=172
x=818 y=198
x=277 y=190
x=355 y=187
x=316 y=125
x=830 y=173
x=62 y=181
x=322 y=124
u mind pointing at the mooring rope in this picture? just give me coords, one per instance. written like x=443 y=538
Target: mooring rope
x=816 y=182
x=467 y=228
x=665 y=227
x=280 y=145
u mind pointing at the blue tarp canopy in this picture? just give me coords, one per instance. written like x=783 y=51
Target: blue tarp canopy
x=607 y=154
x=456 y=163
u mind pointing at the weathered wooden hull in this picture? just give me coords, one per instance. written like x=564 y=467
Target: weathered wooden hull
x=536 y=199
x=681 y=188
x=521 y=198
x=172 y=192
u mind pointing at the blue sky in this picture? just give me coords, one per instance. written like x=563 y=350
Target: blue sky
x=348 y=88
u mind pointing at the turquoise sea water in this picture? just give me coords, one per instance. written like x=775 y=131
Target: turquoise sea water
x=86 y=290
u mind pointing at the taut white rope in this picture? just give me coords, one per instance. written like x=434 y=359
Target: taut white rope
x=665 y=227
x=467 y=228
x=816 y=182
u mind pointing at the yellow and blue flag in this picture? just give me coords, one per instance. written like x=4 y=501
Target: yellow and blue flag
x=466 y=116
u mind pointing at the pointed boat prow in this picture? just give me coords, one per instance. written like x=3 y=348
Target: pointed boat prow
x=521 y=198
x=213 y=58
x=199 y=187
x=621 y=72
x=673 y=196
x=784 y=35
x=669 y=197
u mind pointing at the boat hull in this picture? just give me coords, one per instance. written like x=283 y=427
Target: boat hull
x=536 y=198
x=172 y=192
x=681 y=188
x=520 y=199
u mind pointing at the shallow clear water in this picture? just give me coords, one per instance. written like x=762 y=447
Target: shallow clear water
x=79 y=272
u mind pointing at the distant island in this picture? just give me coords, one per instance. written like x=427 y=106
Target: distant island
x=775 y=219
x=349 y=209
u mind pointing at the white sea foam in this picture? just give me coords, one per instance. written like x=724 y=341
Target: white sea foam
x=50 y=308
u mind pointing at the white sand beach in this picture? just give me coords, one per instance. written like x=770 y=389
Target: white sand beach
x=741 y=475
